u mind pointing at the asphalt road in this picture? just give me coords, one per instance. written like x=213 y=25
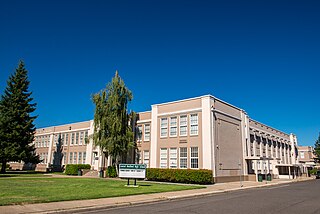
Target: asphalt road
x=300 y=198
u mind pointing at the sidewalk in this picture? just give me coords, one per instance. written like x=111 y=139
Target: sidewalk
x=85 y=205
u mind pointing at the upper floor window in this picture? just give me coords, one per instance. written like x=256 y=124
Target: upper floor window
x=164 y=127
x=86 y=135
x=81 y=139
x=66 y=139
x=146 y=132
x=77 y=138
x=183 y=125
x=301 y=154
x=193 y=124
x=173 y=126
x=72 y=138
x=139 y=133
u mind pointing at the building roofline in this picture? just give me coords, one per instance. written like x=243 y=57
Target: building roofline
x=198 y=97
x=250 y=119
x=68 y=124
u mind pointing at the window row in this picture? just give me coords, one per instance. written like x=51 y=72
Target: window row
x=43 y=157
x=171 y=125
x=41 y=141
x=77 y=138
x=171 y=155
x=146 y=135
x=74 y=158
x=174 y=157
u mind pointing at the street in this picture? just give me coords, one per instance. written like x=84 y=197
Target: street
x=300 y=197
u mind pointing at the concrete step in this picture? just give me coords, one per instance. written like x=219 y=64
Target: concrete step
x=92 y=173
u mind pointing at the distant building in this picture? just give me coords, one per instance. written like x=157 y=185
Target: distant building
x=197 y=133
x=306 y=157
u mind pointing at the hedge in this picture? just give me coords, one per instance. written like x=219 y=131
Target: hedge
x=190 y=176
x=112 y=172
x=72 y=169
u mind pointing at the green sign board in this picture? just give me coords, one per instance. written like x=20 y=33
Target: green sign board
x=132 y=170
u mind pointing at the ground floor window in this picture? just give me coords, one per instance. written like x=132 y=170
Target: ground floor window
x=173 y=158
x=80 y=158
x=84 y=157
x=194 y=158
x=183 y=157
x=146 y=157
x=163 y=158
x=70 y=157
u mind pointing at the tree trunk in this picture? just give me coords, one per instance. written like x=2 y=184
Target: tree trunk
x=3 y=167
x=117 y=166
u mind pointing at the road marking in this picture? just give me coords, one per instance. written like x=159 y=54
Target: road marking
x=277 y=187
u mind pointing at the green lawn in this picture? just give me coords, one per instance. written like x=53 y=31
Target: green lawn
x=22 y=190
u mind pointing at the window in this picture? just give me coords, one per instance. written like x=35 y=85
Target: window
x=74 y=157
x=183 y=125
x=173 y=127
x=70 y=157
x=146 y=132
x=164 y=127
x=72 y=138
x=139 y=133
x=183 y=157
x=55 y=140
x=163 y=158
x=193 y=124
x=79 y=157
x=194 y=158
x=66 y=139
x=146 y=157
x=302 y=155
x=64 y=158
x=173 y=158
x=84 y=157
x=81 y=138
x=62 y=139
x=138 y=157
x=86 y=134
x=77 y=138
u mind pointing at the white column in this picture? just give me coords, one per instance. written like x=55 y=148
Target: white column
x=154 y=137
x=49 y=160
x=89 y=148
x=245 y=141
x=206 y=133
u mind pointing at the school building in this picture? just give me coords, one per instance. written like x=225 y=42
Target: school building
x=197 y=133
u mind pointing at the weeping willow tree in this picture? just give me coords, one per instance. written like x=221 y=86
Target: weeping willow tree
x=112 y=131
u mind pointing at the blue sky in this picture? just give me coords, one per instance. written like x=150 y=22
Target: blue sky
x=262 y=56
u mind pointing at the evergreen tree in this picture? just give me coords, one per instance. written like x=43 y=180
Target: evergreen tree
x=16 y=123
x=112 y=131
x=317 y=149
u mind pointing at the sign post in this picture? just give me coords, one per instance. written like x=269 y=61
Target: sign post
x=132 y=171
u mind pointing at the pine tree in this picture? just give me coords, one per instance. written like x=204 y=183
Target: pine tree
x=16 y=123
x=317 y=149
x=112 y=132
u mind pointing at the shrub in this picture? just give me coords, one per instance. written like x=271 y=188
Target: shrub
x=190 y=176
x=112 y=172
x=7 y=166
x=313 y=171
x=72 y=169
